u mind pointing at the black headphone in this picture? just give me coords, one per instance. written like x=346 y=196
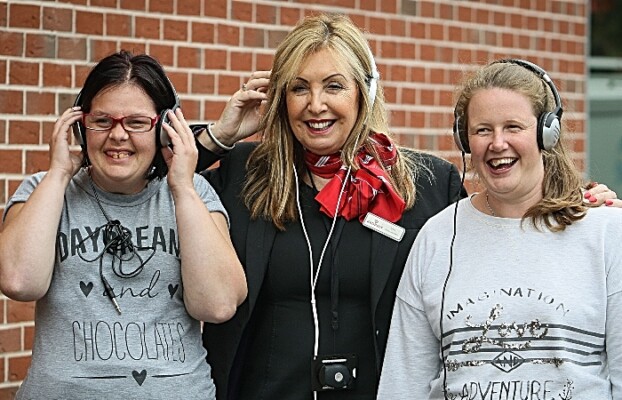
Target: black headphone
x=549 y=123
x=162 y=139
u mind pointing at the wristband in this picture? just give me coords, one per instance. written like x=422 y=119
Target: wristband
x=217 y=142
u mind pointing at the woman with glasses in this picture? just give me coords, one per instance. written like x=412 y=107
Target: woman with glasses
x=123 y=264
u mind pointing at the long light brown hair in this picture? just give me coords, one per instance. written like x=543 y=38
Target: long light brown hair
x=269 y=191
x=562 y=199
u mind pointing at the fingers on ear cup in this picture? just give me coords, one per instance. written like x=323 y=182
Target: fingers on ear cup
x=549 y=129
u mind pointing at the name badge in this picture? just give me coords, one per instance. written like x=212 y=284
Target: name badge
x=384 y=227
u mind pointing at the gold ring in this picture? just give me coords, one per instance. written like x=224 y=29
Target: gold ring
x=244 y=88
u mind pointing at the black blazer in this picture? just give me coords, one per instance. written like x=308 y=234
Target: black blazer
x=253 y=240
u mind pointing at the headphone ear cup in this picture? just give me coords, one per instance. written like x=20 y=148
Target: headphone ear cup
x=79 y=131
x=549 y=129
x=162 y=138
x=462 y=142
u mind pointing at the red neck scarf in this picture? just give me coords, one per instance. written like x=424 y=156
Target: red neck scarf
x=368 y=189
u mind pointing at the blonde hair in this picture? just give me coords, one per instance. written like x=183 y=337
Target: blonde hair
x=269 y=191
x=562 y=199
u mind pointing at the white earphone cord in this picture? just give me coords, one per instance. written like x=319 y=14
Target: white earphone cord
x=316 y=321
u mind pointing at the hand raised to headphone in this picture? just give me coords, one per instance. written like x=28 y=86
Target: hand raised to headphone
x=61 y=158
x=242 y=114
x=182 y=158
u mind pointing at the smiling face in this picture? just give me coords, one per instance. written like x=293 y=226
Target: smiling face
x=504 y=150
x=322 y=103
x=120 y=161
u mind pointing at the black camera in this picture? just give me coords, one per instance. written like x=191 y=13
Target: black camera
x=333 y=372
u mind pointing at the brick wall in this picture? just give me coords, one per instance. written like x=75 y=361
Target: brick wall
x=209 y=47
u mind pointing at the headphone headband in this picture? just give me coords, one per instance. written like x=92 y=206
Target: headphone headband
x=543 y=75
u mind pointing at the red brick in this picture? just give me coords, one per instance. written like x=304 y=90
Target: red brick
x=192 y=109
x=202 y=83
x=13 y=184
x=148 y=28
x=437 y=32
x=253 y=37
x=161 y=6
x=215 y=59
x=24 y=132
x=72 y=48
x=179 y=80
x=29 y=337
x=265 y=14
x=23 y=73
x=241 y=61
x=18 y=311
x=91 y=23
x=216 y=8
x=134 y=47
x=57 y=19
x=40 y=46
x=81 y=71
x=48 y=128
x=377 y=26
x=56 y=75
x=104 y=3
x=138 y=5
x=202 y=32
x=163 y=53
x=10 y=340
x=228 y=34
x=37 y=161
x=18 y=367
x=242 y=11
x=11 y=43
x=12 y=161
x=11 y=102
x=188 y=57
x=3 y=14
x=263 y=62
x=118 y=25
x=228 y=84
x=427 y=9
x=275 y=37
x=2 y=380
x=8 y=393
x=175 y=30
x=24 y=16
x=189 y=7
x=101 y=49
x=2 y=140
x=290 y=16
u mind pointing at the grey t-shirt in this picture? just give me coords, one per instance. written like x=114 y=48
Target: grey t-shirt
x=83 y=348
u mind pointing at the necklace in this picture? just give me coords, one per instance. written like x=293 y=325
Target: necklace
x=488 y=205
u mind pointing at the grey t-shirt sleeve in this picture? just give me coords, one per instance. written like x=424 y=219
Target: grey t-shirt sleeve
x=24 y=190
x=209 y=196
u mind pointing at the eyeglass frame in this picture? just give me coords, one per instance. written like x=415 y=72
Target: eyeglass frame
x=115 y=121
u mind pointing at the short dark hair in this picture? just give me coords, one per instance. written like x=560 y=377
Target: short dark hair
x=141 y=70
